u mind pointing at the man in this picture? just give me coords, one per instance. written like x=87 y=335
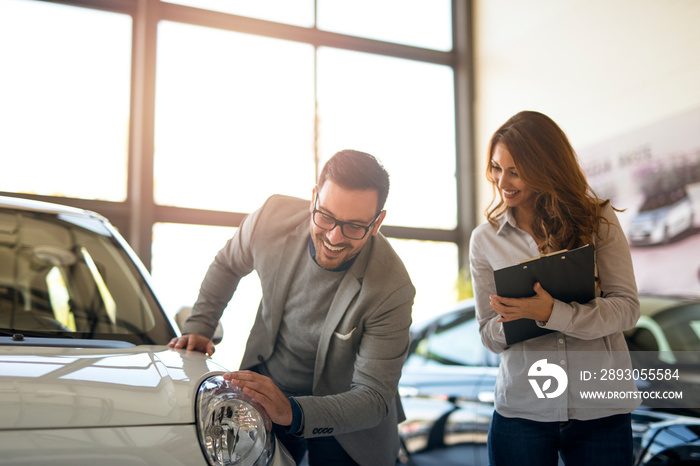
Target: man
x=331 y=334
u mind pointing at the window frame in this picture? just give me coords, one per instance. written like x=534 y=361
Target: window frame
x=136 y=216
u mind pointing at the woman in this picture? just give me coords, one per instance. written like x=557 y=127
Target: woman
x=544 y=204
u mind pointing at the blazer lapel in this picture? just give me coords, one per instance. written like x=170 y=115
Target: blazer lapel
x=349 y=288
x=288 y=260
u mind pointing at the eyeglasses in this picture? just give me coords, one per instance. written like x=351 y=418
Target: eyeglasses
x=349 y=230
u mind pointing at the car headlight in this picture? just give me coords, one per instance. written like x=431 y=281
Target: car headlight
x=233 y=428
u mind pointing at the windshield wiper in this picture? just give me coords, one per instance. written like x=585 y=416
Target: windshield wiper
x=19 y=335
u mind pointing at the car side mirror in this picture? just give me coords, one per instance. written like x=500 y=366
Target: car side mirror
x=184 y=312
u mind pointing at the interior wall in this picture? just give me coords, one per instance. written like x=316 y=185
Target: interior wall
x=599 y=68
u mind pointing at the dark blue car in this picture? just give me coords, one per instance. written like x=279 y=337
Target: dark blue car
x=447 y=386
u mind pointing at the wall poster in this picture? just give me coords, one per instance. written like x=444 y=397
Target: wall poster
x=654 y=174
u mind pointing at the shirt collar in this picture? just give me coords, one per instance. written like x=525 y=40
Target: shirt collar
x=507 y=220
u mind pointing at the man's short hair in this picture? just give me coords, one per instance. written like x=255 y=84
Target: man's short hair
x=355 y=170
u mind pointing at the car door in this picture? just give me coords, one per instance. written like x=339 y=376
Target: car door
x=451 y=376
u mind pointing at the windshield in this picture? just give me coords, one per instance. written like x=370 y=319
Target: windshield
x=66 y=276
x=662 y=199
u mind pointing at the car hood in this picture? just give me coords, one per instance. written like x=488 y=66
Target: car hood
x=41 y=387
x=649 y=215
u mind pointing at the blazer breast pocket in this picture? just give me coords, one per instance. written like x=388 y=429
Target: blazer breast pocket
x=344 y=336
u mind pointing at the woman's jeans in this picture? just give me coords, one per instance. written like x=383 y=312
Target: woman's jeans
x=598 y=442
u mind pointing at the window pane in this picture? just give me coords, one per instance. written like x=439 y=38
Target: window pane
x=402 y=112
x=421 y=23
x=181 y=255
x=234 y=118
x=433 y=267
x=295 y=12
x=64 y=93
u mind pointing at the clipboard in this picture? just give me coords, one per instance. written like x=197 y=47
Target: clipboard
x=567 y=275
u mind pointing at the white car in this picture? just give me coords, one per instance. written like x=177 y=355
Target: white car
x=662 y=218
x=85 y=373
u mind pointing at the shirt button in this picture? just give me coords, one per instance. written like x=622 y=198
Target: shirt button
x=562 y=362
x=561 y=341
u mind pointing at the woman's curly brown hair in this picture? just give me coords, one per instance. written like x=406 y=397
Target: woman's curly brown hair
x=567 y=211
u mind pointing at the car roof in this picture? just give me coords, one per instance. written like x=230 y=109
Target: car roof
x=19 y=203
x=650 y=305
x=458 y=307
x=653 y=304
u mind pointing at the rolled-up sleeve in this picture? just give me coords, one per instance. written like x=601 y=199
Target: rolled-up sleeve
x=616 y=308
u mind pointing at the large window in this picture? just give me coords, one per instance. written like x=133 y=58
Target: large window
x=234 y=118
x=64 y=100
x=176 y=119
x=401 y=111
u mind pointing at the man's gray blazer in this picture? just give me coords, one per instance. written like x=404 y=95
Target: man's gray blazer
x=364 y=341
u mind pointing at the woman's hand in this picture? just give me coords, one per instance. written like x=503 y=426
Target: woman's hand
x=538 y=307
